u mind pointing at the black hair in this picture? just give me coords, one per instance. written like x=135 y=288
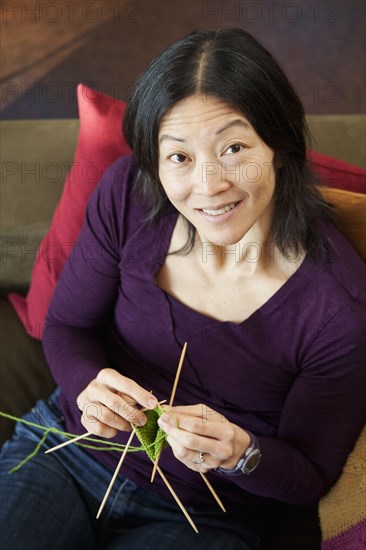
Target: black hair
x=230 y=64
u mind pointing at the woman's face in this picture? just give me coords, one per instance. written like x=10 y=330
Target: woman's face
x=216 y=170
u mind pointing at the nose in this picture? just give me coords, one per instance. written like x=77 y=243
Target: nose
x=210 y=178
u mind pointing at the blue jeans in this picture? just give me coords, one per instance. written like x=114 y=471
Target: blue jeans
x=52 y=501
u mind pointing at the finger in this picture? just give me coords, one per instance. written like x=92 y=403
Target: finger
x=121 y=409
x=95 y=412
x=200 y=411
x=193 y=442
x=127 y=398
x=127 y=386
x=100 y=429
x=96 y=427
x=186 y=456
x=195 y=425
x=213 y=438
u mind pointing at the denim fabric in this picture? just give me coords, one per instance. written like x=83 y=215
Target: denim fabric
x=52 y=501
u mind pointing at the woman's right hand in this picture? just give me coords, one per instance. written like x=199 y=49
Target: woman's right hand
x=109 y=404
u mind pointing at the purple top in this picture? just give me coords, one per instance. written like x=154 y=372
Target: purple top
x=293 y=373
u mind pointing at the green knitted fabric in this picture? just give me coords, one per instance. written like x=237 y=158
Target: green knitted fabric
x=151 y=436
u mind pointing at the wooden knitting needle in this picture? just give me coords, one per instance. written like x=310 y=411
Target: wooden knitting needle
x=73 y=440
x=215 y=495
x=116 y=472
x=175 y=385
x=160 y=472
x=179 y=370
x=177 y=499
x=119 y=467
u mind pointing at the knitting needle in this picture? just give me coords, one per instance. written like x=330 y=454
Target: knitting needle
x=175 y=385
x=179 y=369
x=73 y=440
x=160 y=472
x=215 y=495
x=116 y=472
x=119 y=467
x=177 y=499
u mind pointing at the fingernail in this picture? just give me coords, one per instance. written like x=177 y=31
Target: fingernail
x=152 y=403
x=142 y=420
x=166 y=418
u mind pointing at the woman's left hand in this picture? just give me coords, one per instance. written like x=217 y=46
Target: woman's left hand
x=203 y=430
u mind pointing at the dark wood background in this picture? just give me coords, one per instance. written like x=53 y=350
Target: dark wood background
x=48 y=47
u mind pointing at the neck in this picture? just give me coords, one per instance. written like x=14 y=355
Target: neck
x=252 y=253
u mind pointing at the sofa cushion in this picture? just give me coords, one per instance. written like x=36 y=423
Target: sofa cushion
x=342 y=511
x=100 y=143
x=337 y=173
x=350 y=213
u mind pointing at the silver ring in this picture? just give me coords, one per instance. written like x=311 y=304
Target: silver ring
x=199 y=459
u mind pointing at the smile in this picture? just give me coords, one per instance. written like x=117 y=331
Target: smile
x=220 y=211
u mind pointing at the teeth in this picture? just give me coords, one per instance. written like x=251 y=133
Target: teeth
x=221 y=211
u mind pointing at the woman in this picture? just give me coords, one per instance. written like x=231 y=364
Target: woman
x=213 y=233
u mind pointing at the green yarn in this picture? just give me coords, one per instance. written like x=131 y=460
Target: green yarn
x=151 y=436
x=31 y=455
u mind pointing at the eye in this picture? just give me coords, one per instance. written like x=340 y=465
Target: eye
x=178 y=158
x=234 y=148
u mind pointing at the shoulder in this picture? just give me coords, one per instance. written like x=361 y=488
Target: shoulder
x=116 y=192
x=343 y=268
x=119 y=178
x=327 y=285
x=120 y=210
x=333 y=298
x=114 y=209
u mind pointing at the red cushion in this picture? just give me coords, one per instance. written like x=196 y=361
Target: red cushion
x=337 y=173
x=100 y=143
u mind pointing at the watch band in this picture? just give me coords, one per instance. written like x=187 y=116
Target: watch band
x=248 y=462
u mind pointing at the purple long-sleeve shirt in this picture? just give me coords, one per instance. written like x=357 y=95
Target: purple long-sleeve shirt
x=293 y=373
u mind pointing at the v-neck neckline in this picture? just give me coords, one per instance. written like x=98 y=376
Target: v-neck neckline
x=272 y=303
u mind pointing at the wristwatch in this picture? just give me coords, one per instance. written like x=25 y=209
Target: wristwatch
x=248 y=462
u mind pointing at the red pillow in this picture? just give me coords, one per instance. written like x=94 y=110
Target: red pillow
x=337 y=173
x=100 y=143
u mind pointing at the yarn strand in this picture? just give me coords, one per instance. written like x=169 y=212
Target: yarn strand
x=31 y=455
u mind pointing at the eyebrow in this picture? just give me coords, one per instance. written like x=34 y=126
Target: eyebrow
x=166 y=137
x=236 y=122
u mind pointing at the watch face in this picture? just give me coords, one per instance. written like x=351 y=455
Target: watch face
x=252 y=461
x=247 y=464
